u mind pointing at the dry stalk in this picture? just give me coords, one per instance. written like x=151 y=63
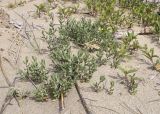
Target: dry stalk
x=84 y=104
x=15 y=47
x=61 y=102
x=3 y=72
x=106 y=108
x=27 y=36
x=8 y=100
x=124 y=105
x=6 y=103
x=9 y=62
x=17 y=56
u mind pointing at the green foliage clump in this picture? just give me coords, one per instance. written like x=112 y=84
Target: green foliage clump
x=133 y=84
x=145 y=13
x=81 y=32
x=130 y=42
x=41 y=94
x=107 y=12
x=130 y=80
x=58 y=85
x=123 y=49
x=40 y=8
x=69 y=67
x=80 y=66
x=34 y=71
x=151 y=56
x=118 y=54
x=83 y=65
x=43 y=8
x=97 y=37
x=91 y=4
x=156 y=27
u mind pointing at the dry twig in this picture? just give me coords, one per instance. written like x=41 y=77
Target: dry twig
x=3 y=72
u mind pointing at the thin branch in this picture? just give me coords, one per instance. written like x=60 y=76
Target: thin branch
x=27 y=35
x=3 y=72
x=124 y=105
x=106 y=108
x=7 y=101
x=84 y=104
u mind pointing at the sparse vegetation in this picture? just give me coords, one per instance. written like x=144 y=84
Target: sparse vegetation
x=41 y=8
x=107 y=37
x=98 y=86
x=111 y=89
x=67 y=11
x=151 y=56
x=130 y=80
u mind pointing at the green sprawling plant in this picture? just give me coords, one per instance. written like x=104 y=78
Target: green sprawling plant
x=130 y=42
x=101 y=6
x=127 y=71
x=95 y=36
x=83 y=31
x=101 y=60
x=118 y=52
x=151 y=56
x=34 y=71
x=156 y=26
x=68 y=67
x=130 y=80
x=83 y=66
x=107 y=12
x=145 y=13
x=42 y=8
x=80 y=66
x=59 y=85
x=98 y=85
x=133 y=84
x=92 y=6
x=13 y=92
x=115 y=15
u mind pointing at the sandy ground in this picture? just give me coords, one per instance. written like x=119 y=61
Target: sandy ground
x=14 y=48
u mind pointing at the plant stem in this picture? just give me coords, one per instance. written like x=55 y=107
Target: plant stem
x=61 y=104
x=4 y=74
x=62 y=101
x=84 y=104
